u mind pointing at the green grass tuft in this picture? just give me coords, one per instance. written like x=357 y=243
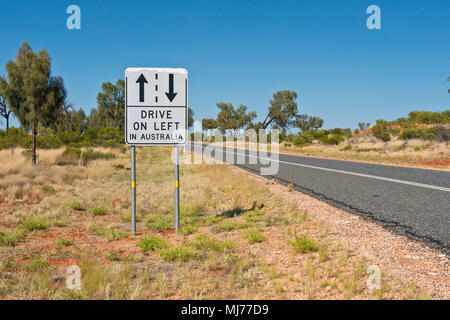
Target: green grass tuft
x=304 y=244
x=127 y=217
x=35 y=224
x=115 y=234
x=99 y=211
x=253 y=236
x=159 y=222
x=77 y=206
x=36 y=264
x=64 y=242
x=182 y=254
x=152 y=244
x=10 y=239
x=205 y=242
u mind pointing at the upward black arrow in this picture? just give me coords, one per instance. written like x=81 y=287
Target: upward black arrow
x=171 y=95
x=141 y=80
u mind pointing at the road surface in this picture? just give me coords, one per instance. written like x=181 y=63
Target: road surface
x=410 y=201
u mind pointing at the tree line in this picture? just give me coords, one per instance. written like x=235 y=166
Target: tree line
x=282 y=114
x=38 y=100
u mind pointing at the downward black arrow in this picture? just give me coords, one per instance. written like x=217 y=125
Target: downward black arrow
x=171 y=95
x=141 y=80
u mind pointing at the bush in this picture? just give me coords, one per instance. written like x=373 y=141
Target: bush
x=428 y=117
x=48 y=142
x=380 y=131
x=104 y=136
x=83 y=144
x=76 y=156
x=69 y=156
x=347 y=148
x=334 y=139
x=419 y=133
x=442 y=133
x=341 y=132
x=304 y=139
x=90 y=155
x=385 y=136
x=70 y=137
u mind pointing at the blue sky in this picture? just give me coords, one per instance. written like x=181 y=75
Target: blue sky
x=243 y=51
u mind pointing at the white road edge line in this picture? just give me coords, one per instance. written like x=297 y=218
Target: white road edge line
x=416 y=184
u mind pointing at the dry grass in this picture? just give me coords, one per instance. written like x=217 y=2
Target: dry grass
x=237 y=241
x=413 y=152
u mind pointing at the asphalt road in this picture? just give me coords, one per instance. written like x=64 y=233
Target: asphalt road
x=410 y=201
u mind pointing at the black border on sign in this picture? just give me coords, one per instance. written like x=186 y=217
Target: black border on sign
x=155 y=144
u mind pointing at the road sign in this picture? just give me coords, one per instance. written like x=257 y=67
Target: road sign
x=156 y=106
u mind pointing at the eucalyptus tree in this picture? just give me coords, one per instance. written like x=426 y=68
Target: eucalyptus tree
x=33 y=94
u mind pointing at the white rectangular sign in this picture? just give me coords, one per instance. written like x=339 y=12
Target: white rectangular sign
x=155 y=106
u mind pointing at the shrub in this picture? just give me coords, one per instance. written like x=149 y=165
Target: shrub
x=304 y=244
x=334 y=139
x=83 y=144
x=104 y=136
x=69 y=137
x=379 y=130
x=90 y=155
x=428 y=117
x=70 y=156
x=304 y=139
x=442 y=133
x=419 y=133
x=341 y=132
x=48 y=142
x=152 y=244
x=347 y=148
x=385 y=136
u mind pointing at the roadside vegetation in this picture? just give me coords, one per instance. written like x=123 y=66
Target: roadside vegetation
x=241 y=240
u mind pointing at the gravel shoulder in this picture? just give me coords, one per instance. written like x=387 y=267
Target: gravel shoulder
x=406 y=259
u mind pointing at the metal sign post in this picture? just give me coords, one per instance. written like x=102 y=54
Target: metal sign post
x=156 y=113
x=133 y=190
x=177 y=188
